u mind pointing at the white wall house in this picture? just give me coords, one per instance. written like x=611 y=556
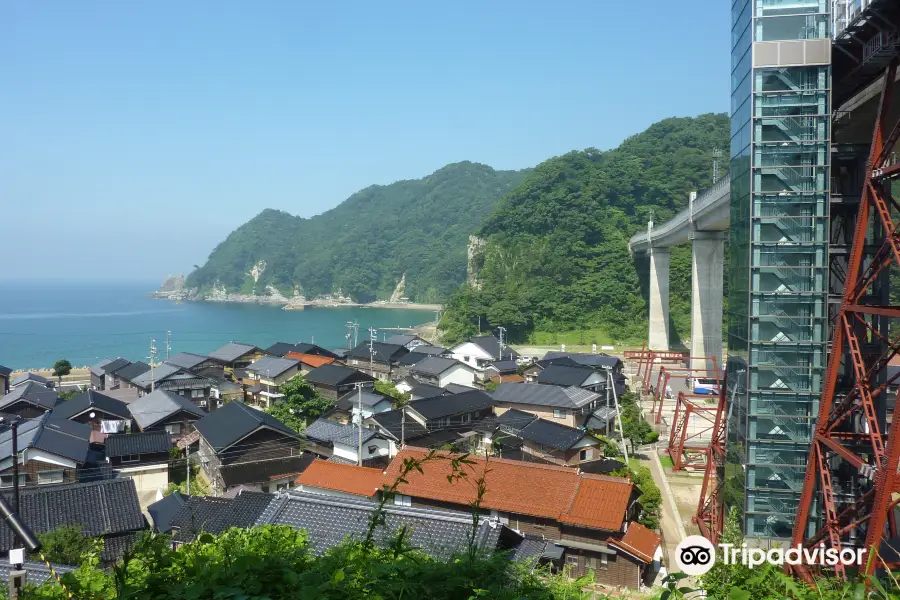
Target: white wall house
x=473 y=355
x=443 y=371
x=372 y=448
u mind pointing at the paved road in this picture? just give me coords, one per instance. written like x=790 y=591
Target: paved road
x=670 y=521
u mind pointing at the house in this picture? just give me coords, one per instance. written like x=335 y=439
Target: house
x=199 y=364
x=203 y=514
x=50 y=451
x=5 y=373
x=164 y=411
x=333 y=381
x=344 y=441
x=378 y=359
x=432 y=350
x=642 y=544
x=176 y=380
x=99 y=372
x=124 y=377
x=99 y=411
x=503 y=371
x=404 y=366
x=223 y=391
x=143 y=457
x=439 y=371
x=264 y=475
x=552 y=442
x=107 y=509
x=565 y=376
x=407 y=341
x=480 y=351
x=237 y=440
x=582 y=513
x=441 y=534
x=282 y=349
x=268 y=374
x=346 y=409
x=308 y=362
x=237 y=356
x=28 y=400
x=32 y=378
x=571 y=406
x=163 y=511
x=599 y=362
x=418 y=390
x=340 y=480
x=456 y=388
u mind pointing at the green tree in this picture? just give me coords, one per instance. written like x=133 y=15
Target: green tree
x=300 y=405
x=66 y=545
x=69 y=394
x=389 y=389
x=650 y=498
x=61 y=368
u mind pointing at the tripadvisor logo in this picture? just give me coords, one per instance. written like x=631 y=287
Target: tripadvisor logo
x=696 y=555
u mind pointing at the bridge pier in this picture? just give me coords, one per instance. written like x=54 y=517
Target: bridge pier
x=707 y=266
x=659 y=299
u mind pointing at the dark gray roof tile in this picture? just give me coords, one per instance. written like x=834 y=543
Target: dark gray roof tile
x=148 y=442
x=226 y=426
x=91 y=400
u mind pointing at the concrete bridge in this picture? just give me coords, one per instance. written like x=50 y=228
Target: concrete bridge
x=703 y=224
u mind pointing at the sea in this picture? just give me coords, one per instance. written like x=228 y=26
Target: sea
x=41 y=322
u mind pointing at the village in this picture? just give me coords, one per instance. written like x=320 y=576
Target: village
x=192 y=444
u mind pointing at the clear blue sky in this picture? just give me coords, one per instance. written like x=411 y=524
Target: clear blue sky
x=136 y=136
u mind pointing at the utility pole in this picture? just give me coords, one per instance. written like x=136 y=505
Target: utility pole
x=359 y=388
x=168 y=344
x=350 y=334
x=502 y=331
x=612 y=384
x=152 y=359
x=373 y=335
x=402 y=427
x=14 y=421
x=187 y=461
x=355 y=333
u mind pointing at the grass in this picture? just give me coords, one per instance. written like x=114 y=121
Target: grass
x=583 y=337
x=666 y=461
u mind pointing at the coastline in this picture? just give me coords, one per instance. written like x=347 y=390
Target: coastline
x=295 y=303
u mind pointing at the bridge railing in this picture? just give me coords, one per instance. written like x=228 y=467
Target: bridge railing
x=703 y=201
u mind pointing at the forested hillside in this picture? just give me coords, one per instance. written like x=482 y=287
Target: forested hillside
x=365 y=245
x=556 y=257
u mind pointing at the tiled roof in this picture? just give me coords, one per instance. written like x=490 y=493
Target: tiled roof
x=584 y=358
x=89 y=400
x=543 y=395
x=32 y=393
x=512 y=419
x=326 y=431
x=638 y=541
x=431 y=350
x=435 y=365
x=260 y=471
x=453 y=404
x=412 y=358
x=458 y=388
x=382 y=352
x=401 y=339
x=188 y=360
x=30 y=377
x=114 y=365
x=423 y=390
x=553 y=492
x=272 y=366
x=550 y=434
x=369 y=398
x=160 y=405
x=215 y=515
x=352 y=479
x=231 y=423
x=600 y=503
x=333 y=375
x=38 y=572
x=330 y=520
x=565 y=375
x=232 y=351
x=163 y=511
x=313 y=360
x=504 y=366
x=57 y=436
x=491 y=345
x=98 y=368
x=5 y=371
x=132 y=371
x=105 y=507
x=149 y=442
x=391 y=420
x=157 y=374
x=512 y=378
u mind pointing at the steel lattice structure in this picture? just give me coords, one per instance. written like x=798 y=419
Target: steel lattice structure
x=849 y=436
x=710 y=517
x=689 y=445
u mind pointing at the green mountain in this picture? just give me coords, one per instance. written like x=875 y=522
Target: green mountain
x=556 y=254
x=365 y=244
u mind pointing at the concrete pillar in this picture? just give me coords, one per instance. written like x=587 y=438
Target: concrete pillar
x=707 y=265
x=659 y=299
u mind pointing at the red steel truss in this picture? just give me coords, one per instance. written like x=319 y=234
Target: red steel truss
x=662 y=382
x=838 y=447
x=689 y=442
x=710 y=510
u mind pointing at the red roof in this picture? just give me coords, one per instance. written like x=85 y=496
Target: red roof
x=310 y=359
x=351 y=479
x=639 y=542
x=513 y=486
x=599 y=503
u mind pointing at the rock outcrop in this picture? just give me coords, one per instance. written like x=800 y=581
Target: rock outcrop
x=475 y=252
x=399 y=291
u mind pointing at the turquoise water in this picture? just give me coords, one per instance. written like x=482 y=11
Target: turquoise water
x=43 y=322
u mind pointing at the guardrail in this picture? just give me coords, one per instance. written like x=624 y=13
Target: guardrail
x=703 y=201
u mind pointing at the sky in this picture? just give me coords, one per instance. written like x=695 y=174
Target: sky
x=136 y=136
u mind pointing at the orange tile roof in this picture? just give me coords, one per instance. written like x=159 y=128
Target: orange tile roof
x=310 y=359
x=512 y=378
x=513 y=486
x=600 y=503
x=638 y=541
x=351 y=479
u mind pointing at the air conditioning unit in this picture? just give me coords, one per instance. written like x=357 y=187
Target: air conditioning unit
x=202 y=403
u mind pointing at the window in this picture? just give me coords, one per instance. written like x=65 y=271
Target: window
x=401 y=500
x=560 y=413
x=196 y=393
x=372 y=449
x=7 y=480
x=583 y=455
x=174 y=428
x=46 y=477
x=131 y=458
x=572 y=560
x=604 y=561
